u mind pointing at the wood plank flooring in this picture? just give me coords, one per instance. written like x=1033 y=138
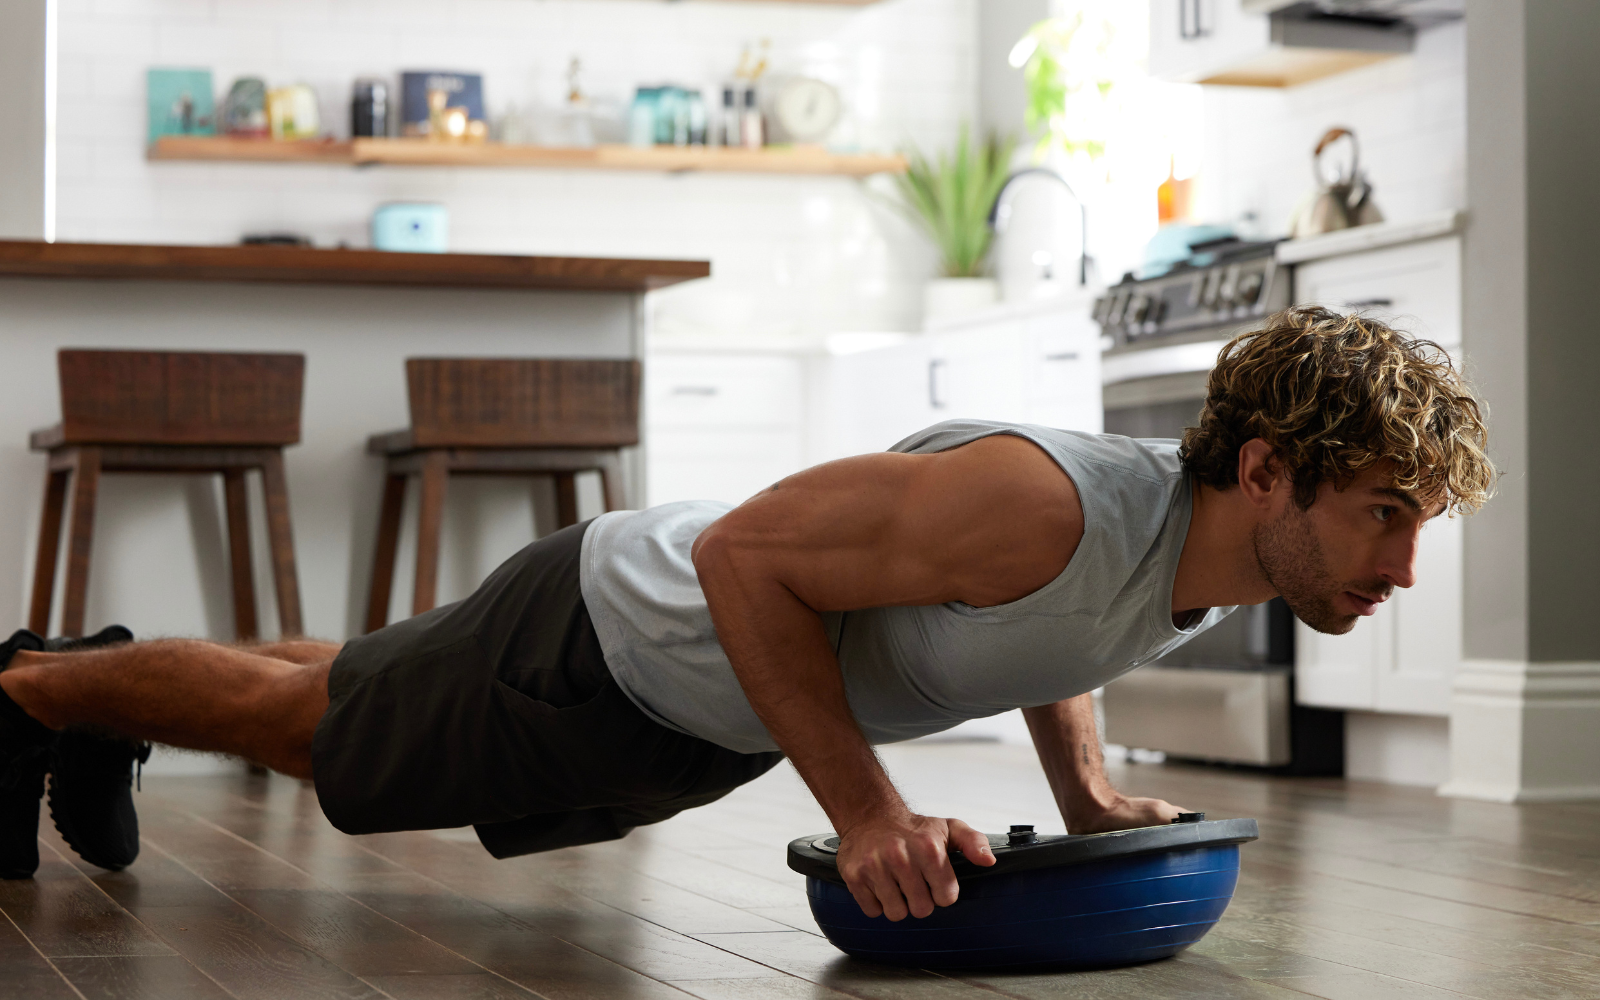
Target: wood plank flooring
x=244 y=891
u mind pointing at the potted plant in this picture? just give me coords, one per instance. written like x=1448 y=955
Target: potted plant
x=951 y=199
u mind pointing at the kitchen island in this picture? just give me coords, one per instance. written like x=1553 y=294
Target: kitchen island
x=160 y=556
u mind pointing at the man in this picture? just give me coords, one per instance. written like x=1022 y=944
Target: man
x=615 y=673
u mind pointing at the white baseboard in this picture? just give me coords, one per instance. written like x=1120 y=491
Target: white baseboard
x=1525 y=732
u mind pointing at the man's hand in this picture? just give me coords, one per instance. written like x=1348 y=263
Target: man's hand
x=1124 y=813
x=902 y=865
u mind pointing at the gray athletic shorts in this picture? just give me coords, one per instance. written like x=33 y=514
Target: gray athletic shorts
x=499 y=712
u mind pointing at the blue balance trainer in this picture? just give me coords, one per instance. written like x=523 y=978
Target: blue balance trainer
x=1049 y=900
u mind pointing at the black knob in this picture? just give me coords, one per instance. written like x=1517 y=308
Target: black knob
x=1021 y=835
x=1190 y=818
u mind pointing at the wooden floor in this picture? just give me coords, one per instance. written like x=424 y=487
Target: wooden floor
x=243 y=890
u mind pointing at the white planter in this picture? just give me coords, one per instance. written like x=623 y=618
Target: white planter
x=943 y=298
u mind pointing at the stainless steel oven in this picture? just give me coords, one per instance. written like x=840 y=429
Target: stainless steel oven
x=1226 y=696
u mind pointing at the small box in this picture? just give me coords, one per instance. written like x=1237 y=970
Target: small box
x=180 y=103
x=461 y=90
x=411 y=227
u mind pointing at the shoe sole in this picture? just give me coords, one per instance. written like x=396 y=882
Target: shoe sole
x=64 y=827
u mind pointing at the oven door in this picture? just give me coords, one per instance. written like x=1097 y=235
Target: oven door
x=1224 y=695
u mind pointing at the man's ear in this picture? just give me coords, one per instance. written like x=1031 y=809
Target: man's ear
x=1260 y=474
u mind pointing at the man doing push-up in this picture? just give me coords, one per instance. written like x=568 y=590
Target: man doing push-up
x=617 y=672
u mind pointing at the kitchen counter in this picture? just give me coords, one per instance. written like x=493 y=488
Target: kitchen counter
x=160 y=562
x=1373 y=237
x=305 y=265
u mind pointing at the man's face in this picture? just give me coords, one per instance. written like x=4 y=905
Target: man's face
x=1339 y=559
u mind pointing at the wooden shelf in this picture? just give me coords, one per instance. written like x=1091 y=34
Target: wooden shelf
x=304 y=265
x=420 y=152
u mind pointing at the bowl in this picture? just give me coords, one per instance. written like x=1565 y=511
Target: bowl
x=1058 y=901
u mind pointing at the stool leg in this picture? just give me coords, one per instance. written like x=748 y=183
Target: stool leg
x=237 y=503
x=44 y=565
x=394 y=498
x=430 y=521
x=611 y=481
x=275 y=485
x=85 y=486
x=566 y=499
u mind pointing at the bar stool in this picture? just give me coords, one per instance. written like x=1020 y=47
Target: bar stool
x=170 y=411
x=498 y=417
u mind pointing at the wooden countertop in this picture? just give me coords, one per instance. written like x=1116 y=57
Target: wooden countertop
x=298 y=265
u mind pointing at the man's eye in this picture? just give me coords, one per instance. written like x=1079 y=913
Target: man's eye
x=1383 y=513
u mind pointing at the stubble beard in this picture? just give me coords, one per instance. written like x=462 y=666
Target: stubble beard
x=1292 y=560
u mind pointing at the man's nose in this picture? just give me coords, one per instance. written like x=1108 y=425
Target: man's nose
x=1398 y=561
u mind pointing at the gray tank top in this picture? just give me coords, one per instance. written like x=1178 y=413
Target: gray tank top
x=912 y=671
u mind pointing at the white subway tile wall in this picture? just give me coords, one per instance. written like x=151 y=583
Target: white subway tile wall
x=1410 y=115
x=792 y=256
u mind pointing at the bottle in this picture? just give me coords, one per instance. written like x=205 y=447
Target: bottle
x=369 y=108
x=697 y=118
x=642 y=118
x=728 y=128
x=751 y=133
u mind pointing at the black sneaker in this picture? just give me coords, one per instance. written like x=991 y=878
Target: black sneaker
x=25 y=745
x=91 y=779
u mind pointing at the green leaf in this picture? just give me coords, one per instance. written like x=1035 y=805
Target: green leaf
x=951 y=198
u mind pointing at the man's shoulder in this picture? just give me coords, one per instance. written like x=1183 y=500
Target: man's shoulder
x=1153 y=460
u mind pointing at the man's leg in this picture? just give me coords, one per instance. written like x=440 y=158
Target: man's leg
x=261 y=703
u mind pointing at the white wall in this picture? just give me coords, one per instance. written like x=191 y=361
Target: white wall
x=1409 y=114
x=790 y=255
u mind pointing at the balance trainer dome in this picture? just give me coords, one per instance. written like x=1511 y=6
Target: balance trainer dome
x=1048 y=901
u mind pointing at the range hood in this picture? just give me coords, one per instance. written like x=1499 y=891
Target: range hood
x=1307 y=40
x=1353 y=25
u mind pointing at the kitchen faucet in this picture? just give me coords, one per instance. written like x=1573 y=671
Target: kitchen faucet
x=1000 y=213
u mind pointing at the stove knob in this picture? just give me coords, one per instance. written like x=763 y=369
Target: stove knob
x=1250 y=287
x=1228 y=294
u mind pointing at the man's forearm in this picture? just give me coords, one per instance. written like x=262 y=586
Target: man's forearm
x=1068 y=743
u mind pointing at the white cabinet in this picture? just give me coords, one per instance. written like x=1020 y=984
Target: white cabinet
x=1402 y=658
x=721 y=426
x=726 y=424
x=1415 y=288
x=1192 y=41
x=1061 y=360
x=1025 y=367
x=874 y=398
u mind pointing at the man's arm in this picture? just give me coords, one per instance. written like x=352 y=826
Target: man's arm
x=1068 y=743
x=985 y=524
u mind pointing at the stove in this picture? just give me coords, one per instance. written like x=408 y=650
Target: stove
x=1223 y=286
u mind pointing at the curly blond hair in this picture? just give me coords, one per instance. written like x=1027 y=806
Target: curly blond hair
x=1335 y=394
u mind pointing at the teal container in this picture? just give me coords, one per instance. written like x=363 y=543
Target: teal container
x=411 y=227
